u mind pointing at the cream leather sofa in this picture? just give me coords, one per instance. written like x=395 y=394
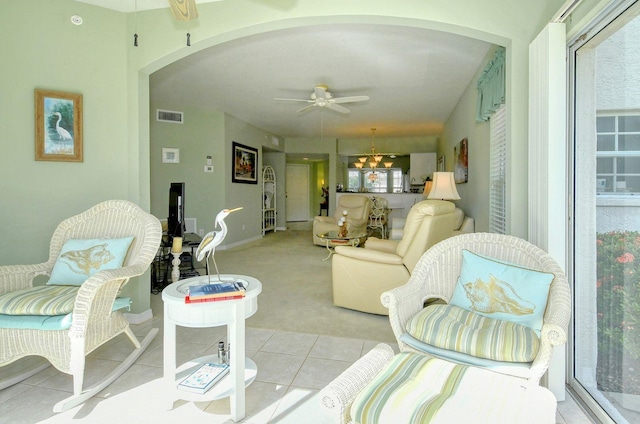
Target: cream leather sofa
x=463 y=224
x=358 y=207
x=360 y=275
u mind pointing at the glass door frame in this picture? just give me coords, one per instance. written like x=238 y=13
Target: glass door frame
x=588 y=37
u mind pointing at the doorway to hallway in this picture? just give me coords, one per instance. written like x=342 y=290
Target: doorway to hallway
x=297 y=195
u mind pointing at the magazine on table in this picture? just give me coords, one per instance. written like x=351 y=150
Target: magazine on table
x=204 y=378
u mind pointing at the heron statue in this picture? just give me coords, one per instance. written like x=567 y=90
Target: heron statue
x=211 y=240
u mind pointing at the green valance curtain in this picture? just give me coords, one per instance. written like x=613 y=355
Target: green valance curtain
x=491 y=87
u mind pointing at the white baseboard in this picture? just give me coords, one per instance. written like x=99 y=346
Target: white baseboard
x=138 y=318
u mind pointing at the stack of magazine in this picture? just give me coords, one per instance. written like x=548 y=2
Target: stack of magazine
x=204 y=378
x=213 y=292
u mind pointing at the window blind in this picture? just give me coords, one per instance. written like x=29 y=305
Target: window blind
x=497 y=174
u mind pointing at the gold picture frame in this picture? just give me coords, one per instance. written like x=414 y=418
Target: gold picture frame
x=58 y=118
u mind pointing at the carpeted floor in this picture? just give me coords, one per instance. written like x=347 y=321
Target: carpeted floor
x=296 y=287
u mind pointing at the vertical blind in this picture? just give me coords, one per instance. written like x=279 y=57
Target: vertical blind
x=497 y=173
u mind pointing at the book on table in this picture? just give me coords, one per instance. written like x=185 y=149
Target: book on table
x=204 y=378
x=188 y=299
x=218 y=290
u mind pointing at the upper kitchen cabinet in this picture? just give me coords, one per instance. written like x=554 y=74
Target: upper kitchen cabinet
x=422 y=166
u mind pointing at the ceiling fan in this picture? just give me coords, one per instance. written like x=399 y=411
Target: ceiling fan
x=321 y=97
x=184 y=10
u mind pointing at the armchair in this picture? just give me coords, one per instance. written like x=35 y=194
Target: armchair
x=434 y=281
x=463 y=224
x=95 y=315
x=358 y=208
x=360 y=276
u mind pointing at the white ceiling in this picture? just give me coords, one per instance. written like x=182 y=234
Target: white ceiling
x=414 y=77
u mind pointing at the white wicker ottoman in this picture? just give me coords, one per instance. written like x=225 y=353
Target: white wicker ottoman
x=385 y=388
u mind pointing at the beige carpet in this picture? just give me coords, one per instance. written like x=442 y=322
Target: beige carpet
x=296 y=287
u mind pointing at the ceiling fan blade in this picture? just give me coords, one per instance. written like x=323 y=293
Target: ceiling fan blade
x=350 y=99
x=337 y=108
x=184 y=10
x=306 y=108
x=293 y=100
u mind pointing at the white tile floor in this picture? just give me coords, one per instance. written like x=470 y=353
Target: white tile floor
x=292 y=368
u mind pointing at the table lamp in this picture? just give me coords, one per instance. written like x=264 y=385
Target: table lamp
x=444 y=187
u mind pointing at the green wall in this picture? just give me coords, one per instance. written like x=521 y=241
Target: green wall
x=201 y=135
x=208 y=133
x=474 y=195
x=42 y=49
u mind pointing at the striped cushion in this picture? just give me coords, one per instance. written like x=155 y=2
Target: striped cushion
x=452 y=328
x=41 y=300
x=410 y=389
x=414 y=388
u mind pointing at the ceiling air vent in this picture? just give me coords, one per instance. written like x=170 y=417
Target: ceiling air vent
x=169 y=116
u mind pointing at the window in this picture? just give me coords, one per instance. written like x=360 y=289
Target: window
x=497 y=173
x=382 y=182
x=618 y=154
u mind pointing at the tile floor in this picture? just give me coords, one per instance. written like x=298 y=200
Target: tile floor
x=292 y=368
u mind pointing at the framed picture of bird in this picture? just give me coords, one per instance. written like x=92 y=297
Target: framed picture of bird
x=58 y=120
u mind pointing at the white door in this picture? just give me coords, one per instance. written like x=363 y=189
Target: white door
x=297 y=192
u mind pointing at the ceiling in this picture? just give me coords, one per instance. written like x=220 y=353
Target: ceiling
x=414 y=77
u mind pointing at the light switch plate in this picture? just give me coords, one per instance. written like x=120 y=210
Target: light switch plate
x=208 y=168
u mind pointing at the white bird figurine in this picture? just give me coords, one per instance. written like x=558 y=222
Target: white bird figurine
x=212 y=239
x=62 y=133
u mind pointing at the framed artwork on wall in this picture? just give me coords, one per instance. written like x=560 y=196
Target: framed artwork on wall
x=245 y=162
x=461 y=156
x=58 y=118
x=170 y=155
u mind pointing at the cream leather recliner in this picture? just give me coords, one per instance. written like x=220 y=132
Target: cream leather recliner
x=358 y=207
x=463 y=224
x=360 y=276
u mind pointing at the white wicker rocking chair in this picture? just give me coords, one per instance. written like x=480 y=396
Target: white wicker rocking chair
x=94 y=322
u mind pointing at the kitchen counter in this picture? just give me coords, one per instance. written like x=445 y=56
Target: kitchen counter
x=399 y=203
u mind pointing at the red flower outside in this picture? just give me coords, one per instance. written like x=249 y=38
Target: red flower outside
x=625 y=258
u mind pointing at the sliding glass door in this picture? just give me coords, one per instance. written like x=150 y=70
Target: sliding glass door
x=605 y=65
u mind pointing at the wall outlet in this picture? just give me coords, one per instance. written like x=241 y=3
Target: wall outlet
x=208 y=168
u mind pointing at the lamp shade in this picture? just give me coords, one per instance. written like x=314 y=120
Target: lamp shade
x=444 y=187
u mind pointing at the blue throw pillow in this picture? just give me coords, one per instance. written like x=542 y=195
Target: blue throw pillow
x=501 y=290
x=80 y=259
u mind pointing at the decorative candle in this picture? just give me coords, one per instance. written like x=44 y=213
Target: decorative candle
x=345 y=212
x=177 y=245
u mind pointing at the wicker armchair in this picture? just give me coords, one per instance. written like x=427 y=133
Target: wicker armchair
x=94 y=321
x=436 y=274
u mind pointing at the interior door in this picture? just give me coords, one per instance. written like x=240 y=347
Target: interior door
x=297 y=192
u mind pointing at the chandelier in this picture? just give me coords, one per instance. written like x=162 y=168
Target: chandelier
x=373 y=160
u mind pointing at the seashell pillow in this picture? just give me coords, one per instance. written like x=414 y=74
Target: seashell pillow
x=81 y=258
x=501 y=290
